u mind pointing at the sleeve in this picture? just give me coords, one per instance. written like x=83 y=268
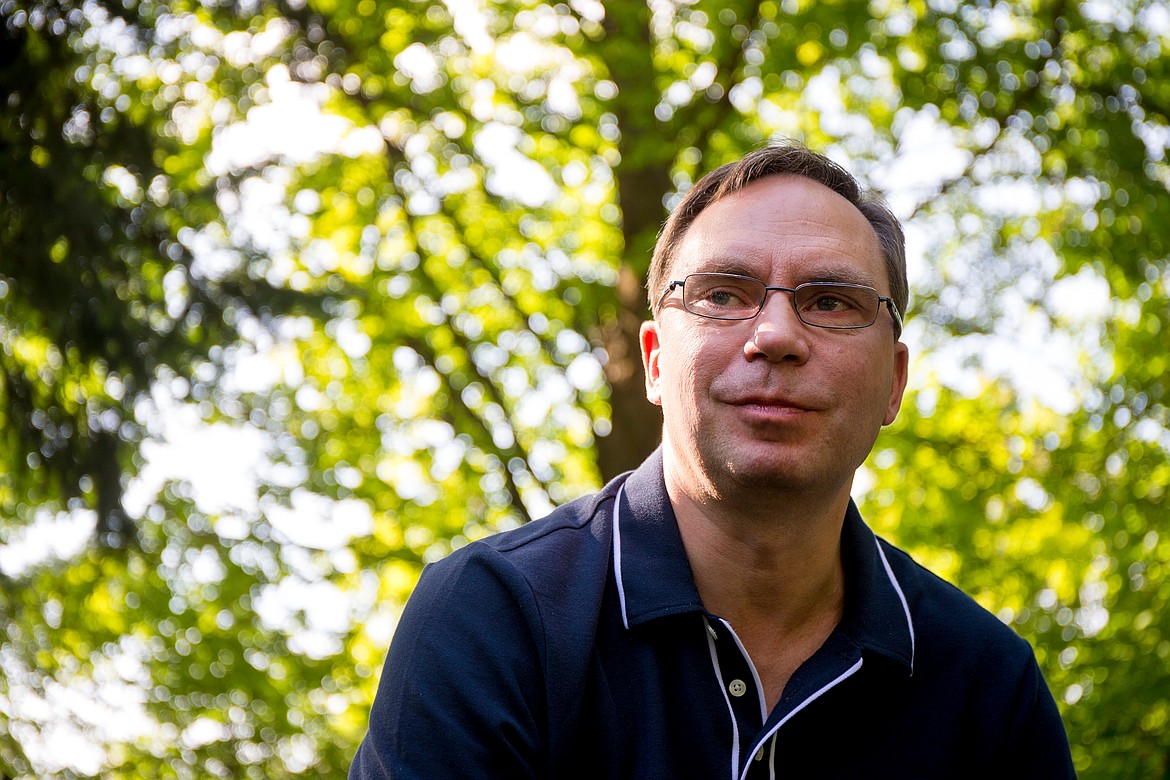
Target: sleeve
x=1040 y=749
x=462 y=692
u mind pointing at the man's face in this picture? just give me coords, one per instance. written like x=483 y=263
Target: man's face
x=772 y=402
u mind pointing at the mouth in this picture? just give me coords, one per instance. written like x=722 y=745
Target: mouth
x=772 y=403
x=771 y=411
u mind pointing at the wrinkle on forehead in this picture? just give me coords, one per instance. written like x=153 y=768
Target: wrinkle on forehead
x=804 y=231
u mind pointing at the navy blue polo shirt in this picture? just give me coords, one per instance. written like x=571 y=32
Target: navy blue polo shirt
x=577 y=647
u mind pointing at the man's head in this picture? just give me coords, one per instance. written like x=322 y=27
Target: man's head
x=771 y=351
x=775 y=160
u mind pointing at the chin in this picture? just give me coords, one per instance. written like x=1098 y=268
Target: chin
x=785 y=469
x=770 y=480
x=763 y=472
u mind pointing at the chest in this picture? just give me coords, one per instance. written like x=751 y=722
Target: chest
x=681 y=705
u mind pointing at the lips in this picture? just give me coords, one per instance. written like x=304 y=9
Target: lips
x=777 y=401
x=773 y=394
x=773 y=403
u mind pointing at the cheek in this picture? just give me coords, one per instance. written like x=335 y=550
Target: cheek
x=699 y=352
x=870 y=385
x=692 y=360
x=849 y=370
x=676 y=376
x=681 y=371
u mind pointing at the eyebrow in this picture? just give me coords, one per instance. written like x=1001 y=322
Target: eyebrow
x=814 y=272
x=839 y=274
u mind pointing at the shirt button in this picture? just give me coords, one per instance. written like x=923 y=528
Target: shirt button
x=737 y=688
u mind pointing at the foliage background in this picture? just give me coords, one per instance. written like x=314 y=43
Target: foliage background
x=404 y=316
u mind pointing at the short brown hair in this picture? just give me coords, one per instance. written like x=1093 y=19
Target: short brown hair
x=774 y=160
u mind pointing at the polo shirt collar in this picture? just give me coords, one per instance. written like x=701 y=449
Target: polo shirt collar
x=877 y=616
x=653 y=574
x=654 y=578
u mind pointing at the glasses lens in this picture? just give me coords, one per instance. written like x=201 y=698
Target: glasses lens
x=837 y=305
x=723 y=296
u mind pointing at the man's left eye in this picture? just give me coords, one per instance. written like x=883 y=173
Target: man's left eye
x=830 y=303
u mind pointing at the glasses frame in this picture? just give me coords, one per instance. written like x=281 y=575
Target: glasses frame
x=889 y=302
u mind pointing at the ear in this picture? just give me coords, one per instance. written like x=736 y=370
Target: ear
x=650 y=347
x=898 y=381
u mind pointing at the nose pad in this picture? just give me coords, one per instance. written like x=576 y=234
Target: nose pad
x=778 y=333
x=785 y=300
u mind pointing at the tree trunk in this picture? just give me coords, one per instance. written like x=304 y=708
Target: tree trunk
x=643 y=180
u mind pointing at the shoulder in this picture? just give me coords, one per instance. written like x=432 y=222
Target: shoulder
x=572 y=532
x=948 y=621
x=552 y=565
x=573 y=523
x=966 y=654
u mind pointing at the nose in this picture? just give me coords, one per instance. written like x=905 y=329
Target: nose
x=777 y=334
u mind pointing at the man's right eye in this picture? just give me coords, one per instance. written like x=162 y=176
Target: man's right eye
x=725 y=297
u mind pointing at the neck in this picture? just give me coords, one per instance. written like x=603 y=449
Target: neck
x=765 y=556
x=767 y=559
x=774 y=574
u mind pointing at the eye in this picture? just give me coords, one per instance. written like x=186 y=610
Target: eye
x=830 y=298
x=726 y=296
x=836 y=306
x=723 y=296
x=830 y=302
x=717 y=294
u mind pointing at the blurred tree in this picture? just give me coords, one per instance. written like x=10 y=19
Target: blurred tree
x=449 y=288
x=103 y=306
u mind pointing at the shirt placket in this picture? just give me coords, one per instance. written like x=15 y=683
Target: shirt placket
x=742 y=691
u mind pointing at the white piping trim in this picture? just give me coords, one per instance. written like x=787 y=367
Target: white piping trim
x=901 y=597
x=617 y=556
x=727 y=699
x=847 y=673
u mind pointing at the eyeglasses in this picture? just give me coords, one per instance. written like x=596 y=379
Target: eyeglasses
x=819 y=304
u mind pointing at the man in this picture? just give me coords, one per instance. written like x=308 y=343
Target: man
x=723 y=611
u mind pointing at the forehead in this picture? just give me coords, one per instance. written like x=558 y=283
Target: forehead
x=783 y=229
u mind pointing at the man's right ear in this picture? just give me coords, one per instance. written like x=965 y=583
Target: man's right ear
x=648 y=340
